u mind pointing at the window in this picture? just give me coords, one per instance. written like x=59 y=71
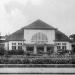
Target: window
x=58 y=47
x=19 y=43
x=64 y=47
x=63 y=43
x=58 y=43
x=13 y=47
x=13 y=43
x=19 y=47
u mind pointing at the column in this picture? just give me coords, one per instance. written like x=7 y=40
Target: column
x=24 y=48
x=45 y=50
x=35 y=49
x=55 y=49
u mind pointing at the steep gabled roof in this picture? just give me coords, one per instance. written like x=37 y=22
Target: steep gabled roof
x=61 y=36
x=19 y=35
x=38 y=24
x=16 y=36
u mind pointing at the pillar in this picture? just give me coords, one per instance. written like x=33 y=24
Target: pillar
x=55 y=49
x=24 y=48
x=35 y=49
x=45 y=50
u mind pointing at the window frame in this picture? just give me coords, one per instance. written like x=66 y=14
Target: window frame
x=13 y=47
x=13 y=44
x=58 y=47
x=19 y=47
x=20 y=44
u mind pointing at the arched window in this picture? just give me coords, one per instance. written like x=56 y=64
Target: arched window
x=39 y=38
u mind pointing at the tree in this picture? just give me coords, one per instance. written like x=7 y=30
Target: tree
x=72 y=37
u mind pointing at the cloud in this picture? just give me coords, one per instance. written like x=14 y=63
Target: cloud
x=55 y=12
x=36 y=2
x=12 y=5
x=4 y=2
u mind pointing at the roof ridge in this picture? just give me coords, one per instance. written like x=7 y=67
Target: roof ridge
x=39 y=24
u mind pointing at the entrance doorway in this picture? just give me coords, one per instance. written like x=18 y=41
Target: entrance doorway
x=40 y=50
x=50 y=50
x=30 y=49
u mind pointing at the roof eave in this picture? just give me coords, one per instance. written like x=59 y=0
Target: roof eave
x=40 y=28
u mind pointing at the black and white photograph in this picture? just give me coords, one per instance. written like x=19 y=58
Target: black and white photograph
x=37 y=37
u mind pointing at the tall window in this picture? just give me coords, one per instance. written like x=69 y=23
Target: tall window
x=58 y=47
x=13 y=46
x=39 y=38
x=64 y=46
x=19 y=46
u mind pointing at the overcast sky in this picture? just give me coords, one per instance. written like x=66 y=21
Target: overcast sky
x=15 y=14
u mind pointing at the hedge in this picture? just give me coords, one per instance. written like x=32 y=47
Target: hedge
x=36 y=61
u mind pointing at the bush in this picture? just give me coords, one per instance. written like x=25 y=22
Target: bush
x=2 y=52
x=12 y=52
x=20 y=52
x=61 y=51
x=26 y=61
x=15 y=52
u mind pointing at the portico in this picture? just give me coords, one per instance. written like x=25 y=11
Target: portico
x=39 y=49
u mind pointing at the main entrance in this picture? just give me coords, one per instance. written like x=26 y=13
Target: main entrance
x=50 y=50
x=40 y=50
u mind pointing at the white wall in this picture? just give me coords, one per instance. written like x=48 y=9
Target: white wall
x=68 y=45
x=29 y=33
x=28 y=36
x=6 y=46
x=9 y=44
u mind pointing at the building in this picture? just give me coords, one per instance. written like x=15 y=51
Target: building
x=38 y=38
x=2 y=42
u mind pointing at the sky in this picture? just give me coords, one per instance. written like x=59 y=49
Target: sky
x=15 y=14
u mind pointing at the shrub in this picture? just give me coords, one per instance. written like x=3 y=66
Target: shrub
x=2 y=52
x=15 y=52
x=12 y=52
x=61 y=51
x=26 y=61
x=20 y=52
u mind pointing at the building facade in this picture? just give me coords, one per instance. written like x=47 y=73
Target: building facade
x=38 y=38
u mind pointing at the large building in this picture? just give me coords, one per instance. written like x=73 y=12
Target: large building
x=38 y=38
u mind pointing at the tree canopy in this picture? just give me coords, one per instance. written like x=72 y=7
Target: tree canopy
x=72 y=37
